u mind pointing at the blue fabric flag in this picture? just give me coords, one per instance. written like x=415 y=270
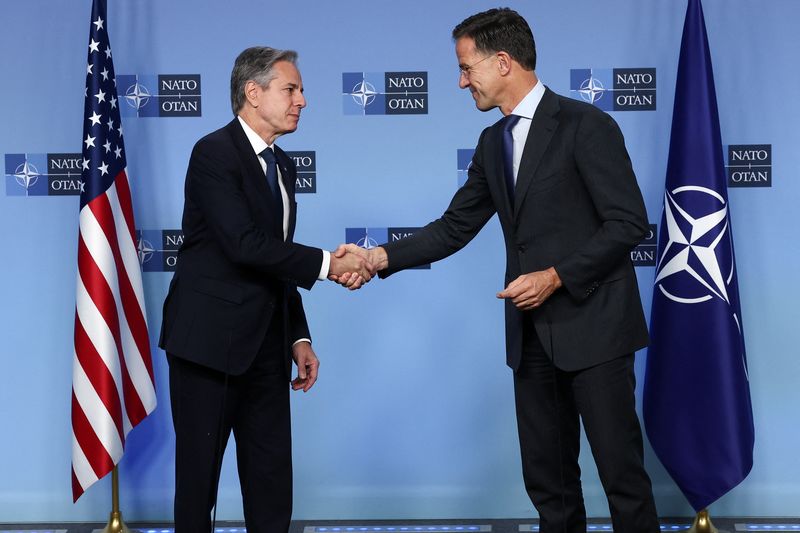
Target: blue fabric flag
x=697 y=408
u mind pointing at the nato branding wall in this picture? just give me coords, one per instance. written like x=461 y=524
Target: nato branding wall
x=413 y=414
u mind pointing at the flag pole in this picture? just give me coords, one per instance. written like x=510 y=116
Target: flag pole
x=115 y=523
x=702 y=524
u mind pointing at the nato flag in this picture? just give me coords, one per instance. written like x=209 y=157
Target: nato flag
x=697 y=408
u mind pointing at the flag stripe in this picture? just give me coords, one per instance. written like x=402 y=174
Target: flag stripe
x=101 y=208
x=82 y=473
x=101 y=422
x=98 y=375
x=97 y=455
x=102 y=340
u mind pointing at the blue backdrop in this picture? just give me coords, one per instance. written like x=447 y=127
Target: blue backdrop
x=413 y=414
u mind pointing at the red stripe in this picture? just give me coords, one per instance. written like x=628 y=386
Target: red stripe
x=101 y=208
x=99 y=376
x=124 y=197
x=140 y=328
x=92 y=448
x=77 y=490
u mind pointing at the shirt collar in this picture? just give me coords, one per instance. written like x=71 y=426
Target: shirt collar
x=258 y=144
x=527 y=107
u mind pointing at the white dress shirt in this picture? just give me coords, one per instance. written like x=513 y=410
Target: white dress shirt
x=525 y=110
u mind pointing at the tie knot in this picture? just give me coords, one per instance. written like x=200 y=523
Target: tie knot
x=509 y=121
x=268 y=155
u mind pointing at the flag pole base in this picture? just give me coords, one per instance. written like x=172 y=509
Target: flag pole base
x=116 y=525
x=702 y=524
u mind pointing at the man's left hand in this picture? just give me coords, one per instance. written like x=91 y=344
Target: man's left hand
x=307 y=366
x=529 y=291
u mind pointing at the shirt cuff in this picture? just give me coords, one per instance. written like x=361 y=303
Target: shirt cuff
x=295 y=343
x=326 y=265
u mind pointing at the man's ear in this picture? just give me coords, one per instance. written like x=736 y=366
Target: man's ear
x=504 y=63
x=251 y=92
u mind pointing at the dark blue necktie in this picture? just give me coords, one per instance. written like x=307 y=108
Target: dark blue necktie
x=272 y=181
x=509 y=121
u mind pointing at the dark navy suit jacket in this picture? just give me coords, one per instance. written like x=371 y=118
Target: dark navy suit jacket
x=234 y=268
x=577 y=207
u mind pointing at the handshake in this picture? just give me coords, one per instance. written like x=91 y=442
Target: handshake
x=353 y=266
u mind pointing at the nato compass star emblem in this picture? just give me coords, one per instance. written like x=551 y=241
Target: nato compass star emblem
x=367 y=242
x=26 y=175
x=693 y=249
x=591 y=90
x=363 y=93
x=145 y=251
x=137 y=96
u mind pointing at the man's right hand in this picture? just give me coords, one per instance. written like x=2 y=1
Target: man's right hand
x=375 y=257
x=350 y=269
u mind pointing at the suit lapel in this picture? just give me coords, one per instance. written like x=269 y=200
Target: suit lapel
x=254 y=174
x=542 y=128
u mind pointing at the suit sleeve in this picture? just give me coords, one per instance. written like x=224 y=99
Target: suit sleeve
x=607 y=173
x=298 y=325
x=214 y=186
x=468 y=212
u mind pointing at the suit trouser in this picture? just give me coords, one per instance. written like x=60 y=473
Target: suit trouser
x=256 y=409
x=550 y=405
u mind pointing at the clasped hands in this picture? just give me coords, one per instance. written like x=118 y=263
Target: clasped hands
x=352 y=266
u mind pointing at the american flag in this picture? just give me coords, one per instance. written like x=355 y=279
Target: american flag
x=112 y=378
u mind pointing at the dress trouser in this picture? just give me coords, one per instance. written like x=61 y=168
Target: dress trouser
x=550 y=404
x=256 y=409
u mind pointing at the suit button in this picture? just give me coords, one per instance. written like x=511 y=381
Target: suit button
x=521 y=248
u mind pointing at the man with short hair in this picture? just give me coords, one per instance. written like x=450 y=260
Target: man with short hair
x=233 y=319
x=558 y=175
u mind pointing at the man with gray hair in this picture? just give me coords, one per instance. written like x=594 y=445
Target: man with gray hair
x=233 y=318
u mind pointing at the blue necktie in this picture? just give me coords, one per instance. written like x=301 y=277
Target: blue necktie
x=272 y=181
x=509 y=121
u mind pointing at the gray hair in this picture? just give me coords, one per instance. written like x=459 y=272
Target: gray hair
x=255 y=64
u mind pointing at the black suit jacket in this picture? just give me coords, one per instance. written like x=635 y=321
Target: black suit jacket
x=234 y=268
x=577 y=208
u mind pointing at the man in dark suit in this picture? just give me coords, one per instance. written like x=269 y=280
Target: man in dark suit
x=233 y=319
x=558 y=175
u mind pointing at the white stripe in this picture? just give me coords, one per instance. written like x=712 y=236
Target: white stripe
x=134 y=360
x=101 y=337
x=141 y=380
x=80 y=465
x=127 y=246
x=95 y=410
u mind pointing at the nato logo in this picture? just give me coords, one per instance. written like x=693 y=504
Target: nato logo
x=615 y=89
x=369 y=238
x=697 y=261
x=306 y=164
x=645 y=252
x=385 y=93
x=44 y=174
x=158 y=249
x=749 y=165
x=159 y=95
x=464 y=161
